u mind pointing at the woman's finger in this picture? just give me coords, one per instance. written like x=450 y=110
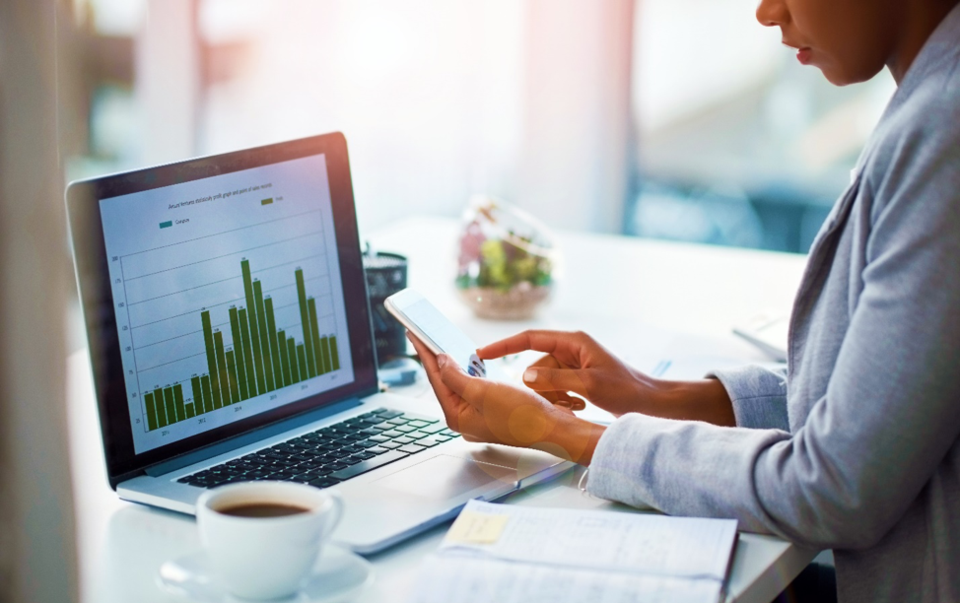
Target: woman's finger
x=577 y=403
x=565 y=400
x=427 y=358
x=564 y=346
x=448 y=400
x=557 y=397
x=556 y=380
x=453 y=378
x=549 y=361
x=470 y=389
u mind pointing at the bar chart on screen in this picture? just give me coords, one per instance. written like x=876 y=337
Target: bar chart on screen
x=229 y=317
x=227 y=296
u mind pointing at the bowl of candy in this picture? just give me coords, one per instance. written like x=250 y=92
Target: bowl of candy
x=507 y=262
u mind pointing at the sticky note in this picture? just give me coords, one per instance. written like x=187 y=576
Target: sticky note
x=477 y=528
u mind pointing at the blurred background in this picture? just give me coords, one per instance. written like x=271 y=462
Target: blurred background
x=675 y=119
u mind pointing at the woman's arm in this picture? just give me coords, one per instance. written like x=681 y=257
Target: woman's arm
x=888 y=420
x=496 y=412
x=577 y=363
x=704 y=400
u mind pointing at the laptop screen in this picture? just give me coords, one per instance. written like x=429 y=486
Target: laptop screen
x=228 y=297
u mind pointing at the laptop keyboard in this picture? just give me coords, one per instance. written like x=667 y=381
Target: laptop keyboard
x=330 y=455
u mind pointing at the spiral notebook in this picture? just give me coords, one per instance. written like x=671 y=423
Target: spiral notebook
x=513 y=554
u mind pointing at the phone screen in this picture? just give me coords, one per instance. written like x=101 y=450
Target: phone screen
x=445 y=335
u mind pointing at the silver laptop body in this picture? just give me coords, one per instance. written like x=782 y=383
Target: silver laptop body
x=393 y=502
x=226 y=312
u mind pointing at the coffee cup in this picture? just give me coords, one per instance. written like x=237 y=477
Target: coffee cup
x=263 y=538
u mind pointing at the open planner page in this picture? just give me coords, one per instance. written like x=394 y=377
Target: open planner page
x=508 y=553
x=485 y=580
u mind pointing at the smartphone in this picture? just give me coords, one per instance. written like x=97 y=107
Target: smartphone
x=431 y=327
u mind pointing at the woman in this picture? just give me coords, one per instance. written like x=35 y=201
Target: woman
x=854 y=447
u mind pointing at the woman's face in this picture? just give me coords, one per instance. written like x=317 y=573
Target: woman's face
x=849 y=40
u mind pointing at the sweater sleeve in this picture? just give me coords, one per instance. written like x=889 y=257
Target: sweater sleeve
x=890 y=411
x=758 y=395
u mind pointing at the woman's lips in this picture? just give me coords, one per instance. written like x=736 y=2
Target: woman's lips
x=804 y=55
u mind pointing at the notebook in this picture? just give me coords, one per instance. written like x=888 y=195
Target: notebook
x=508 y=554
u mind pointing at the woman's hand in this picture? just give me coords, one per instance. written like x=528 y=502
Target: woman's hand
x=488 y=411
x=576 y=363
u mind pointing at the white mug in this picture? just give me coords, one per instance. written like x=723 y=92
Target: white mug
x=266 y=557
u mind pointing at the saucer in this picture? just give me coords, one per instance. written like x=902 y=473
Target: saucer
x=338 y=576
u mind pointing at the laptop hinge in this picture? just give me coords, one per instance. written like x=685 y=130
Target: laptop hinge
x=256 y=435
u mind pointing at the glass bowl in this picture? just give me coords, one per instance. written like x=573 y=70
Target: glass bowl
x=507 y=262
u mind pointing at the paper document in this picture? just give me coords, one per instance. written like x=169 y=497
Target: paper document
x=465 y=580
x=508 y=553
x=605 y=540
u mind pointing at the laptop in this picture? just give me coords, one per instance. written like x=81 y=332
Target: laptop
x=230 y=340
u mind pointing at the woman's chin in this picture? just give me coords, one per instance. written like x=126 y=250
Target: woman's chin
x=838 y=76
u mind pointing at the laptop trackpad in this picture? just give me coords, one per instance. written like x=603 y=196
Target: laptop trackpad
x=444 y=477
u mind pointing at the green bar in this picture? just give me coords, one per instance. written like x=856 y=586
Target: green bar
x=325 y=352
x=315 y=336
x=151 y=411
x=274 y=345
x=178 y=398
x=254 y=336
x=161 y=411
x=305 y=322
x=222 y=377
x=207 y=395
x=166 y=224
x=240 y=368
x=334 y=354
x=211 y=360
x=264 y=337
x=197 y=394
x=247 y=354
x=266 y=201
x=284 y=358
x=294 y=366
x=171 y=405
x=191 y=413
x=234 y=378
x=302 y=357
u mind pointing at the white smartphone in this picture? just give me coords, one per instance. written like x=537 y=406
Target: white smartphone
x=431 y=327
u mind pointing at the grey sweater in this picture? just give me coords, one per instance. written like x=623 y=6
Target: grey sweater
x=856 y=446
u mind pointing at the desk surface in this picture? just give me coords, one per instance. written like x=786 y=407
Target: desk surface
x=607 y=282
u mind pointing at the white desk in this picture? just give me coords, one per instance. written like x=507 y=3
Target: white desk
x=608 y=283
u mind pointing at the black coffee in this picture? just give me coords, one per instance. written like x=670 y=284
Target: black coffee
x=262 y=510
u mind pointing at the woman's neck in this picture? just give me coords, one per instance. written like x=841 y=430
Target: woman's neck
x=918 y=21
